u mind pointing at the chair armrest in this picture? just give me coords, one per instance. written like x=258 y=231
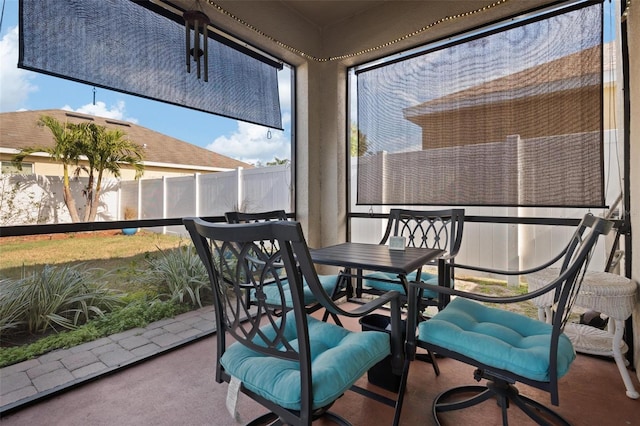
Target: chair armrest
x=506 y=272
x=413 y=285
x=448 y=256
x=367 y=308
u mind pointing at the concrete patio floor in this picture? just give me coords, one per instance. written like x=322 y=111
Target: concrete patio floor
x=178 y=388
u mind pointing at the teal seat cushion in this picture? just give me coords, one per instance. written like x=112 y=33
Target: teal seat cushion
x=339 y=358
x=272 y=292
x=497 y=338
x=371 y=280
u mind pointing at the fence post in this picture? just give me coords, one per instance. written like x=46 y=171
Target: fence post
x=164 y=202
x=196 y=188
x=119 y=203
x=239 y=193
x=513 y=255
x=139 y=198
x=513 y=232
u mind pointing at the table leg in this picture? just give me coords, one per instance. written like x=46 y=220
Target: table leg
x=617 y=355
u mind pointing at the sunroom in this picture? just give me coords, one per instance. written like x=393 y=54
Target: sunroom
x=351 y=65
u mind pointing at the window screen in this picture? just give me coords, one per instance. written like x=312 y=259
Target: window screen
x=509 y=118
x=139 y=48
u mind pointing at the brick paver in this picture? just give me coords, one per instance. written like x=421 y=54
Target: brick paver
x=43 y=369
x=89 y=370
x=133 y=342
x=52 y=379
x=77 y=360
x=17 y=395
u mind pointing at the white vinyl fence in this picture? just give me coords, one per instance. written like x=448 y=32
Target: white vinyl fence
x=212 y=194
x=38 y=199
x=35 y=199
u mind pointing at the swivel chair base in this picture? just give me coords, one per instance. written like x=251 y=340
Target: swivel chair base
x=272 y=419
x=505 y=394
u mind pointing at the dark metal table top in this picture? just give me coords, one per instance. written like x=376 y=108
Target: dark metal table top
x=375 y=257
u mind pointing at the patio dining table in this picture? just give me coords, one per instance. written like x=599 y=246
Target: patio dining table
x=375 y=257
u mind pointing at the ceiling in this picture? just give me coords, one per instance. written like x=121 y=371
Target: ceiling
x=351 y=31
x=325 y=13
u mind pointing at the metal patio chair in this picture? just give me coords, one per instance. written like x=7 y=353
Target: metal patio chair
x=439 y=229
x=293 y=364
x=332 y=284
x=505 y=347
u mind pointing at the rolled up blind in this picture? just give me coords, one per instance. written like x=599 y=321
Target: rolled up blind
x=137 y=47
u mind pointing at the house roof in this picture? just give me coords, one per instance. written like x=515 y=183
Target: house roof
x=564 y=73
x=20 y=129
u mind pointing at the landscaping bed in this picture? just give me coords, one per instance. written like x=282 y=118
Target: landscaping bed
x=60 y=290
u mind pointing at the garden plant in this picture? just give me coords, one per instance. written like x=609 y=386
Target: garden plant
x=59 y=305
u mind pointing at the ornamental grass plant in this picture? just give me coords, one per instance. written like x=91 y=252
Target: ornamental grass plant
x=180 y=275
x=53 y=298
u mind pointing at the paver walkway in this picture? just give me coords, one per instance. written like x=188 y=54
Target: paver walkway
x=58 y=370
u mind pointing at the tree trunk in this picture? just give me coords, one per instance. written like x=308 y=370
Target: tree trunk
x=90 y=199
x=95 y=197
x=68 y=197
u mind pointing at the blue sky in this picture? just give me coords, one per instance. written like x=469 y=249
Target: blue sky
x=26 y=90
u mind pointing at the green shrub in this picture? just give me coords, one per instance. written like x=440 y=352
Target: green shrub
x=51 y=298
x=181 y=275
x=138 y=313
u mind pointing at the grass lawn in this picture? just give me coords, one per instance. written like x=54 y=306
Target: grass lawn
x=108 y=250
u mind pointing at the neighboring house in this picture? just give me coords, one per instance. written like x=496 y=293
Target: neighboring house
x=519 y=95
x=163 y=155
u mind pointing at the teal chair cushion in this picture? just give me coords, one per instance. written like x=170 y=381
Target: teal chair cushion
x=371 y=280
x=497 y=338
x=272 y=293
x=339 y=358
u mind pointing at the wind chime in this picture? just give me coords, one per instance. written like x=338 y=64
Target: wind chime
x=198 y=22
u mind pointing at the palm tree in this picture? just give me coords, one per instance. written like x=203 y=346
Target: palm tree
x=278 y=161
x=358 y=142
x=106 y=150
x=66 y=150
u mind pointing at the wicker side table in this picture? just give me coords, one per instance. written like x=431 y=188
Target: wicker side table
x=611 y=294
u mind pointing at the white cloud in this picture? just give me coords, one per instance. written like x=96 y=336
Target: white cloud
x=250 y=143
x=117 y=112
x=15 y=83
